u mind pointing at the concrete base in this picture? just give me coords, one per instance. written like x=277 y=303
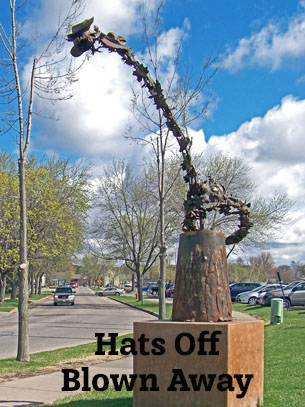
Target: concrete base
x=204 y=364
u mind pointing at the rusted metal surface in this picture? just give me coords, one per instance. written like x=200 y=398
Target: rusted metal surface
x=202 y=292
x=202 y=196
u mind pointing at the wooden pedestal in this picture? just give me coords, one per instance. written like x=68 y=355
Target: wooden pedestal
x=230 y=355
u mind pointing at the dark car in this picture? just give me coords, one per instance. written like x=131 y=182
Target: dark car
x=153 y=288
x=169 y=290
x=266 y=299
x=237 y=288
x=64 y=295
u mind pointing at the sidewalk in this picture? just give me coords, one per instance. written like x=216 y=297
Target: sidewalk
x=36 y=390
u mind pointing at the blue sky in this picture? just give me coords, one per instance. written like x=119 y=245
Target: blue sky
x=257 y=97
x=218 y=26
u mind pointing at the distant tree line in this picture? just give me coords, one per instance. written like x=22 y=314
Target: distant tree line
x=262 y=268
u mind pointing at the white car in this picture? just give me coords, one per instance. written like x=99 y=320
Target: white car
x=110 y=291
x=250 y=297
x=64 y=295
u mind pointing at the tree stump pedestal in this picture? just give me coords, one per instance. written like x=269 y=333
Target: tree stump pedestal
x=202 y=291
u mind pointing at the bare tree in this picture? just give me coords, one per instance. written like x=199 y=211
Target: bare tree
x=263 y=268
x=267 y=216
x=45 y=80
x=126 y=226
x=183 y=94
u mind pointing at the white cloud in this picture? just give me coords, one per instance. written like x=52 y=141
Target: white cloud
x=273 y=145
x=121 y=16
x=93 y=123
x=270 y=47
x=94 y=120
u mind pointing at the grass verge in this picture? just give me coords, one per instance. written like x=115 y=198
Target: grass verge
x=40 y=296
x=107 y=398
x=9 y=305
x=149 y=305
x=284 y=356
x=46 y=362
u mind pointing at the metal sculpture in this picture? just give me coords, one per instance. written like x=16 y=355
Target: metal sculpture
x=202 y=196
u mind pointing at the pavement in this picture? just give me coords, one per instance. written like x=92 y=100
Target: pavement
x=37 y=390
x=46 y=388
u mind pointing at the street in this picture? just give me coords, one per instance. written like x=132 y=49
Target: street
x=65 y=325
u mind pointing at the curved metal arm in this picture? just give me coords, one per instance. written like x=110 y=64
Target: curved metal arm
x=202 y=196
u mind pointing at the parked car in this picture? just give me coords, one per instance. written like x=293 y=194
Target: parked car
x=73 y=284
x=110 y=291
x=266 y=299
x=64 y=295
x=297 y=295
x=271 y=288
x=251 y=297
x=237 y=288
x=170 y=292
x=153 y=288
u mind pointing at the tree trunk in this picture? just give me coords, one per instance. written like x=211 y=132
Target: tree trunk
x=162 y=304
x=40 y=284
x=162 y=257
x=23 y=354
x=14 y=291
x=202 y=292
x=32 y=283
x=139 y=280
x=36 y=279
x=2 y=289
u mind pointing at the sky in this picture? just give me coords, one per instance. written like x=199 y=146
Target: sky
x=256 y=99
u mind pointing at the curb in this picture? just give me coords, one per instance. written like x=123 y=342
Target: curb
x=157 y=315
x=135 y=307
x=32 y=304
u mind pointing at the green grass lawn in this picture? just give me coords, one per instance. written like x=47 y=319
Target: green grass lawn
x=284 y=357
x=41 y=360
x=9 y=305
x=147 y=304
x=96 y=288
x=39 y=296
x=107 y=398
